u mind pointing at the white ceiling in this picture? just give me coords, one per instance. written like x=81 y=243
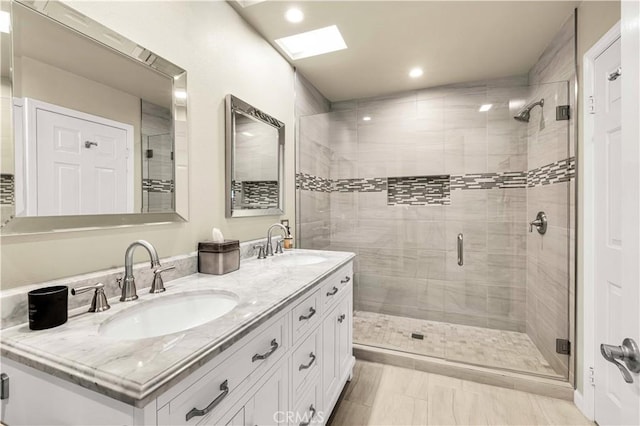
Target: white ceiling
x=453 y=41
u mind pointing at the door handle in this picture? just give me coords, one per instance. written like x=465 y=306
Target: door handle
x=627 y=353
x=89 y=144
x=460 y=241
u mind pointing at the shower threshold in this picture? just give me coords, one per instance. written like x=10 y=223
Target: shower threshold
x=508 y=351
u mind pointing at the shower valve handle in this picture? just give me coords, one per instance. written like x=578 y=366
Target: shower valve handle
x=540 y=223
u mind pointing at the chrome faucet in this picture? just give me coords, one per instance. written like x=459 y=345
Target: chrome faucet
x=128 y=282
x=269 y=249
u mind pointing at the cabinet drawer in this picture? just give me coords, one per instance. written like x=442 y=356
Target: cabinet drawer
x=308 y=410
x=333 y=288
x=305 y=361
x=305 y=316
x=215 y=391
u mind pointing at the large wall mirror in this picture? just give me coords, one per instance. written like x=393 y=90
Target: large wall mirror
x=255 y=161
x=93 y=125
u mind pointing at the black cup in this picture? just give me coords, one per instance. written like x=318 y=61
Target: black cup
x=48 y=307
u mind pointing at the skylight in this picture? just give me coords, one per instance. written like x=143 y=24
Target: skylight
x=312 y=43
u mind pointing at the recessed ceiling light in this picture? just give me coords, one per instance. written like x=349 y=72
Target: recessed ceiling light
x=294 y=15
x=416 y=72
x=485 y=107
x=366 y=118
x=312 y=43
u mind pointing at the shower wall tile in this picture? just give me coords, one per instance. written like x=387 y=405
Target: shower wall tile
x=388 y=262
x=308 y=99
x=557 y=61
x=506 y=205
x=432 y=264
x=509 y=269
x=475 y=235
x=422 y=234
x=507 y=237
x=552 y=199
x=507 y=162
x=461 y=200
x=468 y=299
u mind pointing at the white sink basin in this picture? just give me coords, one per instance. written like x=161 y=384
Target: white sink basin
x=297 y=259
x=168 y=314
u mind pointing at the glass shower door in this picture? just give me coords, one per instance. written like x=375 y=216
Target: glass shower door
x=508 y=303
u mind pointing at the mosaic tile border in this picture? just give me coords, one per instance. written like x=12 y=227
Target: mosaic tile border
x=7 y=189
x=419 y=190
x=499 y=180
x=157 y=185
x=260 y=194
x=360 y=185
x=557 y=172
x=310 y=182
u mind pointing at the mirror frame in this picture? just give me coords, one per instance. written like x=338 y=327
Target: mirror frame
x=233 y=105
x=64 y=15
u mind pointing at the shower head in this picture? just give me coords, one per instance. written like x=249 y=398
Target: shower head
x=525 y=113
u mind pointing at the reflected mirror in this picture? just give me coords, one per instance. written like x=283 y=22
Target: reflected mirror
x=255 y=161
x=96 y=134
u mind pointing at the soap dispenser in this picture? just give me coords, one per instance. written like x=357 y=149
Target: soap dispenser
x=288 y=240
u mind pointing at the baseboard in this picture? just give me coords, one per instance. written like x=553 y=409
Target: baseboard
x=506 y=379
x=579 y=401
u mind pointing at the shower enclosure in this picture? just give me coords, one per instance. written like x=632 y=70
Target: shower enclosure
x=434 y=191
x=157 y=158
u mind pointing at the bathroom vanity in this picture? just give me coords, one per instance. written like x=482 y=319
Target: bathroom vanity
x=282 y=355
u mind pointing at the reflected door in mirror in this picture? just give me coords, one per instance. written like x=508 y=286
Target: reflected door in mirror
x=81 y=165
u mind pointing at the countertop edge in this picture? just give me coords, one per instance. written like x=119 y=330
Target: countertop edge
x=139 y=395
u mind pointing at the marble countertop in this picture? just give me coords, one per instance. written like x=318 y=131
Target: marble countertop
x=137 y=371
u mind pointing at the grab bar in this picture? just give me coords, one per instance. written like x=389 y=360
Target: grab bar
x=460 y=250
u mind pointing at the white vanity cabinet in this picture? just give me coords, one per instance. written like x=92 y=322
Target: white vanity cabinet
x=289 y=370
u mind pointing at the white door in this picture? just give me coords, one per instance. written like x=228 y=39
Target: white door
x=82 y=166
x=616 y=243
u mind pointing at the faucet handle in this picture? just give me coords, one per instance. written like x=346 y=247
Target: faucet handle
x=261 y=251
x=99 y=301
x=279 y=247
x=158 y=284
x=162 y=269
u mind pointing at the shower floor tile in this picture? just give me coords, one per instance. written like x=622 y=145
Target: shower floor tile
x=473 y=345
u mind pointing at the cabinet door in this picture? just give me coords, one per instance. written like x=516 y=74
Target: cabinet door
x=344 y=335
x=330 y=355
x=237 y=419
x=269 y=403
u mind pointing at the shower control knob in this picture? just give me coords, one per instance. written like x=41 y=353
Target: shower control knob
x=540 y=223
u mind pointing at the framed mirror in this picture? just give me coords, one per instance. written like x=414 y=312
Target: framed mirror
x=95 y=130
x=254 y=161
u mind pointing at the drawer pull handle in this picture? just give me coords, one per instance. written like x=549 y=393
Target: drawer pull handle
x=274 y=346
x=333 y=291
x=313 y=414
x=341 y=318
x=312 y=312
x=224 y=387
x=346 y=280
x=305 y=366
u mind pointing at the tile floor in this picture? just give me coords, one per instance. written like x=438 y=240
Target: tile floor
x=387 y=395
x=474 y=345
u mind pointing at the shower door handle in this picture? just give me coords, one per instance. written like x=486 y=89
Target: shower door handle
x=460 y=249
